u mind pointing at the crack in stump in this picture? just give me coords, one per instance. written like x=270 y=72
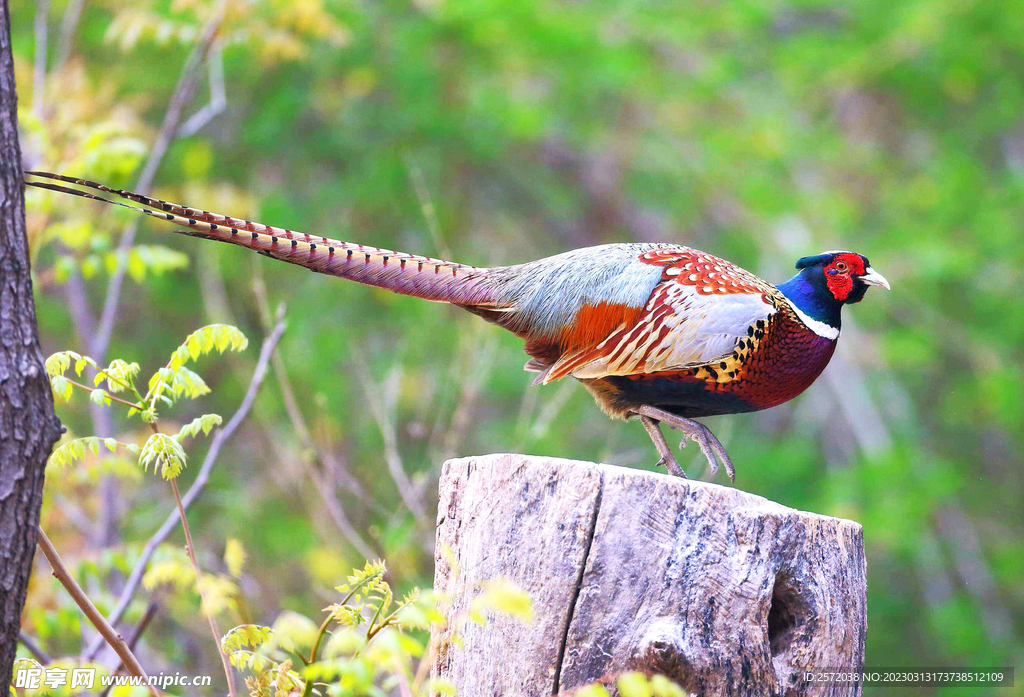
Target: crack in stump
x=578 y=587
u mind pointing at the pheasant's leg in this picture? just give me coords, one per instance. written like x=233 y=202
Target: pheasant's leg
x=667 y=458
x=697 y=432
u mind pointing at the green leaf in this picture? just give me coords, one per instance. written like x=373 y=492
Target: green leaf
x=164 y=453
x=185 y=382
x=591 y=691
x=202 y=423
x=222 y=337
x=234 y=557
x=634 y=684
x=57 y=363
x=75 y=450
x=119 y=374
x=61 y=387
x=153 y=259
x=663 y=687
x=504 y=597
x=245 y=636
x=440 y=686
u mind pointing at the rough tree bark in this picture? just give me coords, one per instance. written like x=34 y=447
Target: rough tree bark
x=28 y=427
x=725 y=592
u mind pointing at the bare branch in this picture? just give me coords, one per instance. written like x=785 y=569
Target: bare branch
x=220 y=437
x=68 y=26
x=108 y=633
x=427 y=206
x=39 y=69
x=382 y=397
x=34 y=649
x=968 y=555
x=325 y=466
x=218 y=96
x=191 y=551
x=75 y=515
x=77 y=299
x=182 y=94
x=331 y=468
x=140 y=628
x=147 y=617
x=478 y=370
x=549 y=412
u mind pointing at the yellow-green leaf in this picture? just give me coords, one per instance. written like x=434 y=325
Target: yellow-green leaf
x=234 y=557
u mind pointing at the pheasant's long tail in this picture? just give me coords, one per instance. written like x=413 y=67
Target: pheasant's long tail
x=409 y=274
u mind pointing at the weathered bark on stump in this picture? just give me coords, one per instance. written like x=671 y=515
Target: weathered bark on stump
x=723 y=591
x=28 y=427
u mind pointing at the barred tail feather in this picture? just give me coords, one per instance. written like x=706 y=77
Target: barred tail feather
x=409 y=274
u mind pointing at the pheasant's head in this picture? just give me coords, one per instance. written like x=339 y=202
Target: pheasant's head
x=846 y=275
x=828 y=281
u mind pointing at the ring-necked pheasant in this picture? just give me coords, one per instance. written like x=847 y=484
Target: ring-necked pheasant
x=659 y=332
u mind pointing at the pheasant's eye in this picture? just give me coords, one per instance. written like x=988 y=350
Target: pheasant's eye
x=841 y=266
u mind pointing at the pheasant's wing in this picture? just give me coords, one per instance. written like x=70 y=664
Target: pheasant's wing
x=699 y=311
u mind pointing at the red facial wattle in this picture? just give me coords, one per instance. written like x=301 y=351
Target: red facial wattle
x=839 y=274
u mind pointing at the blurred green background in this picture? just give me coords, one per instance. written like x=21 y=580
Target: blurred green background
x=499 y=131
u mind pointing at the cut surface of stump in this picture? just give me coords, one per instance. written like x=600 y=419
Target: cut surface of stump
x=725 y=592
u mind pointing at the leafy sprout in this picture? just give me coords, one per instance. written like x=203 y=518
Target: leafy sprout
x=163 y=452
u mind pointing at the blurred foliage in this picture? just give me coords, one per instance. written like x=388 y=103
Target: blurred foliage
x=497 y=131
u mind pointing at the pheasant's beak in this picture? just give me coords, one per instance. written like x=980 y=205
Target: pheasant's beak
x=873 y=278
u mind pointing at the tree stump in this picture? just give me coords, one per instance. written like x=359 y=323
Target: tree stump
x=723 y=591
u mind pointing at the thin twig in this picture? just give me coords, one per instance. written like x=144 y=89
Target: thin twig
x=147 y=617
x=108 y=633
x=190 y=550
x=218 y=95
x=291 y=404
x=419 y=184
x=35 y=649
x=217 y=307
x=39 y=69
x=962 y=540
x=105 y=531
x=219 y=438
x=70 y=510
x=426 y=663
x=88 y=389
x=182 y=94
x=323 y=480
x=382 y=397
x=478 y=370
x=68 y=26
x=549 y=412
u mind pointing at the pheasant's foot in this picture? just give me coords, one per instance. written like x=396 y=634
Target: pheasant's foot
x=667 y=458
x=712 y=448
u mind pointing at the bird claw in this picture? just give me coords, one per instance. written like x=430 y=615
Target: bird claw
x=712 y=449
x=669 y=463
x=701 y=440
x=709 y=445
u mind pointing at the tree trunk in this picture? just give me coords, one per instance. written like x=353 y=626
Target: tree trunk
x=28 y=427
x=725 y=592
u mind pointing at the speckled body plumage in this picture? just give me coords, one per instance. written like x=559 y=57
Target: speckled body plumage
x=659 y=331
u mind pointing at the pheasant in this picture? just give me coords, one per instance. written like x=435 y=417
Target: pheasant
x=657 y=332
